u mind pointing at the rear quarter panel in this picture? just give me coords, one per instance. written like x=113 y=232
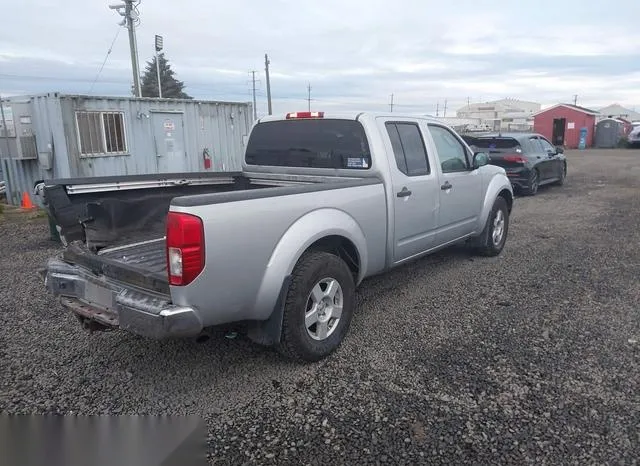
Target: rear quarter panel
x=252 y=245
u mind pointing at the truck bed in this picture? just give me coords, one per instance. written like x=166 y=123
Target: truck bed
x=149 y=256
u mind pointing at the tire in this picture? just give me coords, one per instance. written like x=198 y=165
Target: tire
x=534 y=183
x=563 y=175
x=487 y=244
x=315 y=277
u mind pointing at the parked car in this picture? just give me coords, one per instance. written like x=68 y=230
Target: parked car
x=529 y=159
x=634 y=135
x=322 y=202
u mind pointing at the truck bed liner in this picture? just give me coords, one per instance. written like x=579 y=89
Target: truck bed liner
x=141 y=264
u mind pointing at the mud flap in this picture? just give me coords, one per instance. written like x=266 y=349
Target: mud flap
x=268 y=332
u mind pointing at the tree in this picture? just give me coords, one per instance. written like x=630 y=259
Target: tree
x=171 y=87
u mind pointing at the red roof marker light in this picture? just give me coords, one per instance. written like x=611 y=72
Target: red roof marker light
x=298 y=115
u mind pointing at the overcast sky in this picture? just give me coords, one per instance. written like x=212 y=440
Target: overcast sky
x=354 y=53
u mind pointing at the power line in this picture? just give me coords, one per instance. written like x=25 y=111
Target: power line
x=105 y=59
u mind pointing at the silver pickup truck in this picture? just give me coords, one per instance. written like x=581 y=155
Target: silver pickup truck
x=323 y=201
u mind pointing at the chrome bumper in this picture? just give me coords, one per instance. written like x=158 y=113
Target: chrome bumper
x=114 y=305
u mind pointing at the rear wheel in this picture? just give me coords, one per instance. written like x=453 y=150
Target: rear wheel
x=533 y=183
x=319 y=307
x=494 y=236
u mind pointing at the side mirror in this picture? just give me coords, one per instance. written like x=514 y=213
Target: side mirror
x=559 y=150
x=480 y=159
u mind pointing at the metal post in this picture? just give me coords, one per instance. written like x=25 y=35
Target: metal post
x=133 y=45
x=391 y=104
x=266 y=70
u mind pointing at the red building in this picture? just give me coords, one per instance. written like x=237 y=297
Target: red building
x=561 y=124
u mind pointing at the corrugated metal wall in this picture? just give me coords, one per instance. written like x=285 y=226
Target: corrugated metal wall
x=219 y=127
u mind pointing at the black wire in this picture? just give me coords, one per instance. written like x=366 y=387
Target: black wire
x=105 y=59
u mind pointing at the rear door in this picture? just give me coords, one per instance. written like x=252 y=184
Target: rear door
x=415 y=189
x=539 y=157
x=460 y=192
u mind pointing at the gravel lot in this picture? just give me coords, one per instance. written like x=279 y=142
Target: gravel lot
x=533 y=356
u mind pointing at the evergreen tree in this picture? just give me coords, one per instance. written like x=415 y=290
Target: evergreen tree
x=171 y=87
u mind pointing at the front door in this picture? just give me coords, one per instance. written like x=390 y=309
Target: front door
x=460 y=190
x=554 y=163
x=168 y=135
x=559 y=125
x=415 y=189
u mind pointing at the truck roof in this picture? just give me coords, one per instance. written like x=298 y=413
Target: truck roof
x=353 y=115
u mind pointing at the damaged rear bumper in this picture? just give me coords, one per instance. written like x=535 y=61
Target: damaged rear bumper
x=114 y=305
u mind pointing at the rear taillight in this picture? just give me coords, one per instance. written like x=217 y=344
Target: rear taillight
x=185 y=248
x=514 y=159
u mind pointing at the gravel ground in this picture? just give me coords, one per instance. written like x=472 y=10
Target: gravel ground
x=533 y=356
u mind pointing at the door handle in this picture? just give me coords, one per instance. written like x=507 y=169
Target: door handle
x=404 y=193
x=446 y=186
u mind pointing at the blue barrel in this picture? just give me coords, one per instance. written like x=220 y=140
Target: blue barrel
x=582 y=144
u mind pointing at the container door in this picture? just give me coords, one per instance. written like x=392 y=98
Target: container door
x=168 y=135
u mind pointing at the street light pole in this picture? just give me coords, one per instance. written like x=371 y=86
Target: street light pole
x=158 y=49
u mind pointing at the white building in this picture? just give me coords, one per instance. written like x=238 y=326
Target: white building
x=503 y=114
x=618 y=111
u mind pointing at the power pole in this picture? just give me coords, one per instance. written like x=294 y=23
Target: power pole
x=266 y=72
x=468 y=101
x=438 y=108
x=309 y=96
x=444 y=115
x=253 y=79
x=130 y=18
x=391 y=104
x=575 y=99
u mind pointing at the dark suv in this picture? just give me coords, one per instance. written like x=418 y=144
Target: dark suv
x=529 y=159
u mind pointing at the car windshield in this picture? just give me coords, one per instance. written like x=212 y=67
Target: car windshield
x=311 y=143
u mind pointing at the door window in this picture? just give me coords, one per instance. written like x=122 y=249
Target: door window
x=452 y=155
x=535 y=145
x=547 y=147
x=408 y=148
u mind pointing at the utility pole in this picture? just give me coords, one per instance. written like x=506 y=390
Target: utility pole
x=158 y=49
x=468 y=101
x=253 y=80
x=444 y=115
x=130 y=18
x=391 y=104
x=266 y=71
x=309 y=96
x=575 y=99
x=438 y=108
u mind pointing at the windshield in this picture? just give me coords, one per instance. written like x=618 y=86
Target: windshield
x=309 y=143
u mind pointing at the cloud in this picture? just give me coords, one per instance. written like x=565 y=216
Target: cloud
x=354 y=53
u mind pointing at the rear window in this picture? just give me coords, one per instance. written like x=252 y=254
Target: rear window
x=496 y=143
x=310 y=144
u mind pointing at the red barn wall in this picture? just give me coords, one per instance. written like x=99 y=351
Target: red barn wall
x=543 y=124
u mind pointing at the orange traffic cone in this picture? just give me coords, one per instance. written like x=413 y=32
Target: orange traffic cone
x=26 y=201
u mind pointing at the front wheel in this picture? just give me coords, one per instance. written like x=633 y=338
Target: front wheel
x=319 y=307
x=563 y=175
x=494 y=236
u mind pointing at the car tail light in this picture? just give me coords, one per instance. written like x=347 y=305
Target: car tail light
x=514 y=158
x=185 y=248
x=295 y=115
